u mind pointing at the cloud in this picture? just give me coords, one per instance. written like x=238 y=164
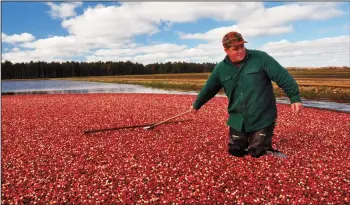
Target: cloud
x=15 y=49
x=109 y=24
x=19 y=56
x=106 y=25
x=107 y=33
x=276 y=16
x=56 y=46
x=23 y=55
x=49 y=49
x=333 y=51
x=180 y=12
x=271 y=21
x=63 y=10
x=161 y=53
x=103 y=26
x=217 y=33
x=142 y=54
x=171 y=48
x=24 y=37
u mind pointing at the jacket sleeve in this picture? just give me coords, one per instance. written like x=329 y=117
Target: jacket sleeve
x=210 y=89
x=283 y=79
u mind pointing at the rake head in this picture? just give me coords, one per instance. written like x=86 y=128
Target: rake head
x=148 y=128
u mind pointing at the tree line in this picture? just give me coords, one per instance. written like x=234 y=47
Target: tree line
x=40 y=69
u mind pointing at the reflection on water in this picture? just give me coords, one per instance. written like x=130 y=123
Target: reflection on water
x=82 y=91
x=97 y=90
x=16 y=87
x=343 y=107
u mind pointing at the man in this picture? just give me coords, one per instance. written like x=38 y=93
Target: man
x=246 y=75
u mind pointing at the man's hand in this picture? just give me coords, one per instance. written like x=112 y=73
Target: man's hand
x=193 y=110
x=297 y=107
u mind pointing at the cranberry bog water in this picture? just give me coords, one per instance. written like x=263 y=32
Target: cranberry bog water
x=47 y=158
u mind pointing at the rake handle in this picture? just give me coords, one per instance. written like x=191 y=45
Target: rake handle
x=115 y=128
x=166 y=120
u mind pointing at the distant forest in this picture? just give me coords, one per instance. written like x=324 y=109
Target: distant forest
x=84 y=69
x=40 y=69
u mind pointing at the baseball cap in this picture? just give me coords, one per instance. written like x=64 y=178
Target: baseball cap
x=232 y=39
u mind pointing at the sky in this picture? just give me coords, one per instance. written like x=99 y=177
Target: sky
x=297 y=34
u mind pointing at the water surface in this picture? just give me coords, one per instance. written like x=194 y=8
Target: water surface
x=15 y=87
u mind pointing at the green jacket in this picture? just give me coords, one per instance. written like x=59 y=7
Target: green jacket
x=251 y=100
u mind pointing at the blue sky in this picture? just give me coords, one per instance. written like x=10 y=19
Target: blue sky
x=297 y=34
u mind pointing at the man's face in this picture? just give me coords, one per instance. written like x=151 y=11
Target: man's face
x=236 y=53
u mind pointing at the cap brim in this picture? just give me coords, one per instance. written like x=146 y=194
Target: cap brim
x=237 y=43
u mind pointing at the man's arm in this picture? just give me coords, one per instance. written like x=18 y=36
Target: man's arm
x=284 y=80
x=210 y=89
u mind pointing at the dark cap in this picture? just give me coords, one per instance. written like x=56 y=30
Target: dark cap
x=232 y=39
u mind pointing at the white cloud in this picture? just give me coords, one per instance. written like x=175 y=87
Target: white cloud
x=271 y=21
x=316 y=53
x=160 y=48
x=276 y=16
x=320 y=52
x=109 y=23
x=161 y=57
x=24 y=37
x=217 y=34
x=161 y=53
x=46 y=50
x=107 y=27
x=57 y=46
x=63 y=10
x=192 y=11
x=15 y=49
x=18 y=56
x=142 y=54
x=118 y=23
x=25 y=56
